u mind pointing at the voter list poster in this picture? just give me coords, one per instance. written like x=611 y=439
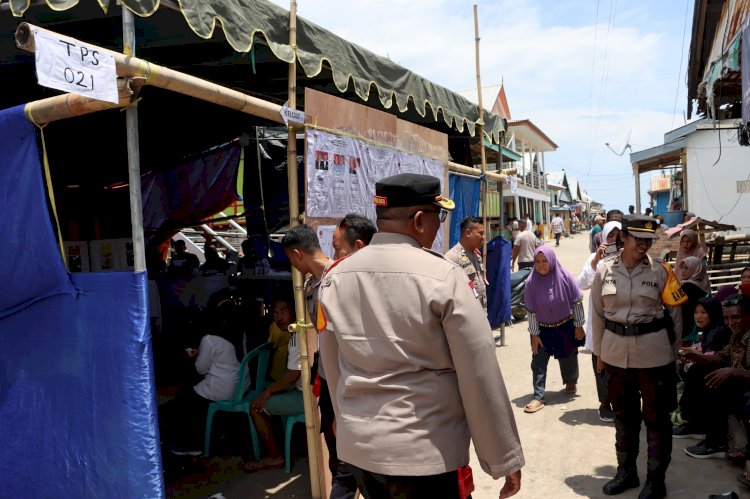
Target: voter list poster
x=342 y=171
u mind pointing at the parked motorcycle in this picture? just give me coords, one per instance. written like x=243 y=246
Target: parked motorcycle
x=517 y=287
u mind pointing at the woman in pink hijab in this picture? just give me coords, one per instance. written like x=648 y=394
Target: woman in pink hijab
x=689 y=246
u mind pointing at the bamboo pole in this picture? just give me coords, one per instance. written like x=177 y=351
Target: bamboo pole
x=134 y=155
x=159 y=76
x=299 y=297
x=65 y=106
x=467 y=170
x=481 y=136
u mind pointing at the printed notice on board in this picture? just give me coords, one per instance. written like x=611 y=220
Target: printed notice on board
x=71 y=66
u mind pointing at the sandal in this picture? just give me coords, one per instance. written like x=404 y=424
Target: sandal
x=571 y=388
x=263 y=464
x=533 y=406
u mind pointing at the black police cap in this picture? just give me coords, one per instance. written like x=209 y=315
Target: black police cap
x=640 y=226
x=410 y=189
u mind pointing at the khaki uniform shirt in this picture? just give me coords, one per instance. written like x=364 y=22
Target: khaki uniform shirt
x=471 y=263
x=631 y=298
x=411 y=364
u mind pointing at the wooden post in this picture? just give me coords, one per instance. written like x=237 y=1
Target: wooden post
x=481 y=136
x=683 y=162
x=637 y=174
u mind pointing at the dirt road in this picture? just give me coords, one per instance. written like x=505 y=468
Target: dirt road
x=569 y=452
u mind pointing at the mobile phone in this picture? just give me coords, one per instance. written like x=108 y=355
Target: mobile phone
x=611 y=248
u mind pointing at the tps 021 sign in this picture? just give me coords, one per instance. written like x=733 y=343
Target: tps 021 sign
x=71 y=66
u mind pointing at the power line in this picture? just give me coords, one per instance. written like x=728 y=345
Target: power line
x=682 y=57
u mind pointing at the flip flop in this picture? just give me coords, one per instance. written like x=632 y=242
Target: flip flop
x=533 y=406
x=262 y=465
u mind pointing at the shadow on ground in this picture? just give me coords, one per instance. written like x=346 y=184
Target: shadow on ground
x=591 y=485
x=583 y=416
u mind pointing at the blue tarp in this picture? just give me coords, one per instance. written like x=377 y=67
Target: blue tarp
x=465 y=192
x=77 y=394
x=498 y=273
x=31 y=265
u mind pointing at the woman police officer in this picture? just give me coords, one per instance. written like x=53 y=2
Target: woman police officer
x=633 y=299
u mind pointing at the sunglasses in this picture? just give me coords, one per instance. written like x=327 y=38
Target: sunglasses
x=442 y=214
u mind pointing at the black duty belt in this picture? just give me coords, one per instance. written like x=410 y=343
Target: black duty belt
x=635 y=329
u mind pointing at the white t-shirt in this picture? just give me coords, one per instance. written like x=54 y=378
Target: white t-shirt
x=526 y=242
x=217 y=361
x=293 y=360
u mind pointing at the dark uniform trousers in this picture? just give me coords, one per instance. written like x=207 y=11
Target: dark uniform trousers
x=343 y=485
x=656 y=388
x=378 y=486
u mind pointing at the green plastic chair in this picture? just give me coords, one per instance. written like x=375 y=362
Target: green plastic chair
x=241 y=401
x=289 y=422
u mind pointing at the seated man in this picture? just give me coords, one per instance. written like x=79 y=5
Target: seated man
x=723 y=379
x=278 y=334
x=282 y=398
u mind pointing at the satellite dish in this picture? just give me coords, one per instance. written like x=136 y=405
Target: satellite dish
x=626 y=146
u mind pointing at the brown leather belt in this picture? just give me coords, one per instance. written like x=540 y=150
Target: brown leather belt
x=635 y=329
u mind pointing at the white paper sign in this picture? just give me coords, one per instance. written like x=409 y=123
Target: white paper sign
x=68 y=65
x=325 y=238
x=295 y=116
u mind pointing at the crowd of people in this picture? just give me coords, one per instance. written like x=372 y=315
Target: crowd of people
x=407 y=375
x=655 y=332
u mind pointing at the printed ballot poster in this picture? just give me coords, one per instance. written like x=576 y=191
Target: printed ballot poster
x=342 y=171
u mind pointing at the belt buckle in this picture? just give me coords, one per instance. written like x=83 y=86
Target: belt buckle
x=628 y=329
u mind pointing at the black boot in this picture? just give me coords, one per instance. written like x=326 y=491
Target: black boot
x=626 y=478
x=656 y=470
x=653 y=489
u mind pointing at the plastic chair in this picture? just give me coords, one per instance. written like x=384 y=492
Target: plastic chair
x=289 y=422
x=241 y=402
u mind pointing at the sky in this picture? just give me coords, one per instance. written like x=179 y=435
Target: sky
x=587 y=72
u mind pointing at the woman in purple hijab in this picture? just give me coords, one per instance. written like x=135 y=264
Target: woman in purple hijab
x=556 y=322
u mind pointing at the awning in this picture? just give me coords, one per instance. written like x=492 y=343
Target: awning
x=243 y=19
x=507 y=153
x=658 y=157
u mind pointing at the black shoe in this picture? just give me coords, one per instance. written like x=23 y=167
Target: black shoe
x=622 y=481
x=686 y=431
x=653 y=490
x=705 y=451
x=606 y=413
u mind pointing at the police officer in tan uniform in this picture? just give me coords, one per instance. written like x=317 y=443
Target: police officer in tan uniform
x=467 y=255
x=409 y=358
x=635 y=313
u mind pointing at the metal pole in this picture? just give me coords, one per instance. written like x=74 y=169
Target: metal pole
x=134 y=159
x=501 y=185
